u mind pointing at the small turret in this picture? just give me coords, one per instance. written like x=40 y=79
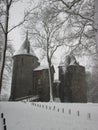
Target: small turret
x=27 y=44
x=25 y=48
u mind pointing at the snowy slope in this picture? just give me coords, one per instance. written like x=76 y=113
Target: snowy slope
x=49 y=116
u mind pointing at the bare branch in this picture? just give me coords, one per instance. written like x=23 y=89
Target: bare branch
x=54 y=50
x=16 y=26
x=10 y=3
x=69 y=5
x=24 y=19
x=2 y=28
x=64 y=3
x=74 y=2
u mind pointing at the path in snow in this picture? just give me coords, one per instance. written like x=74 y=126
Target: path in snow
x=44 y=116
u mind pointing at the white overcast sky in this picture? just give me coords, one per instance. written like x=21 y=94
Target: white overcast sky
x=16 y=15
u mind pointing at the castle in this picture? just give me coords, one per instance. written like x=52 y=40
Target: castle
x=30 y=79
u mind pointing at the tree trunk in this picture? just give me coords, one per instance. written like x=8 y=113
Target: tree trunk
x=96 y=22
x=50 y=83
x=5 y=45
x=49 y=71
x=50 y=78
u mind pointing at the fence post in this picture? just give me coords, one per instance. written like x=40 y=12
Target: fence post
x=54 y=108
x=1 y=115
x=70 y=111
x=4 y=121
x=49 y=107
x=4 y=127
x=42 y=106
x=58 y=109
x=89 y=115
x=62 y=110
x=78 y=113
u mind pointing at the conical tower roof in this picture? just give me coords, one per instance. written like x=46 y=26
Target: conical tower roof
x=25 y=48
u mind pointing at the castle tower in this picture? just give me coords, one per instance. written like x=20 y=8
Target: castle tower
x=76 y=83
x=73 y=81
x=23 y=65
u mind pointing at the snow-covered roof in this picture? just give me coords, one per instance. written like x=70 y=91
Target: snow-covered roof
x=41 y=68
x=61 y=63
x=25 y=48
x=69 y=60
x=56 y=81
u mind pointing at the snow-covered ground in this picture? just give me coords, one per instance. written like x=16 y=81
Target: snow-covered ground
x=49 y=116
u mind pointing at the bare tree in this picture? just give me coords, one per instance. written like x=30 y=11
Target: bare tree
x=6 y=6
x=1 y=45
x=80 y=23
x=6 y=81
x=44 y=29
x=96 y=21
x=58 y=22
